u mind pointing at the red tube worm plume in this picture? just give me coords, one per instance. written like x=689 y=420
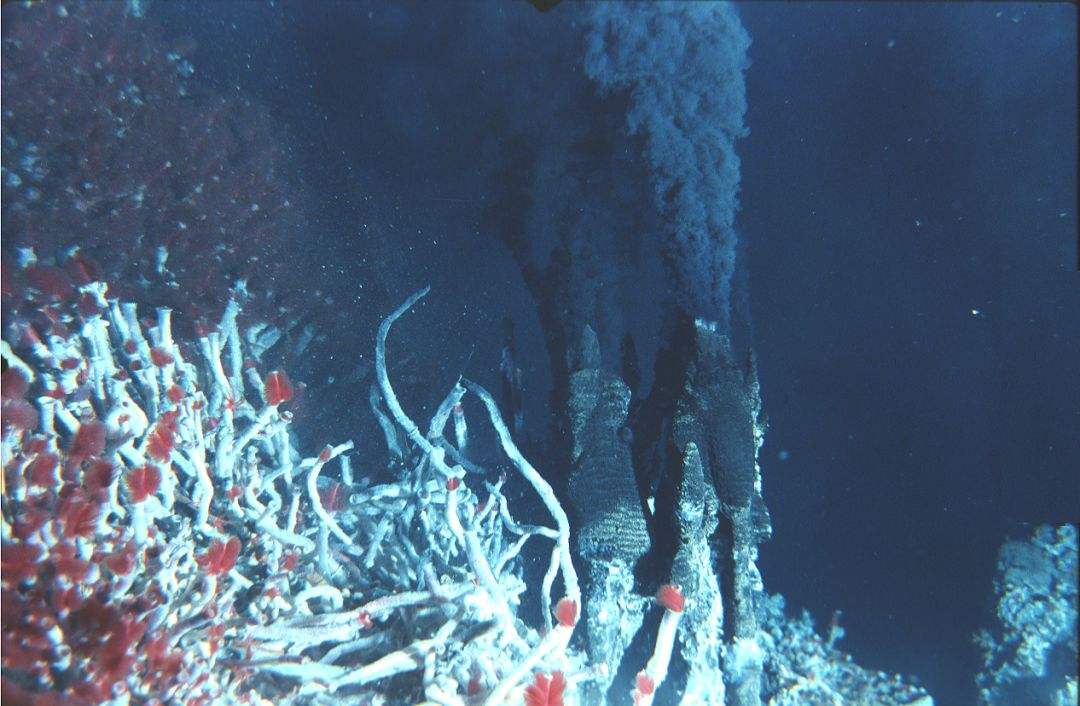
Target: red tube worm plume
x=89 y=441
x=645 y=683
x=88 y=305
x=644 y=686
x=56 y=393
x=31 y=518
x=566 y=612
x=122 y=562
x=326 y=453
x=162 y=438
x=160 y=443
x=99 y=476
x=160 y=357
x=79 y=516
x=333 y=497
x=546 y=691
x=671 y=597
x=453 y=483
x=19 y=414
x=278 y=389
x=34 y=445
x=13 y=384
x=18 y=562
x=220 y=558
x=166 y=666
x=216 y=633
x=42 y=470
x=364 y=618
x=67 y=563
x=176 y=393
x=116 y=656
x=142 y=482
x=52 y=282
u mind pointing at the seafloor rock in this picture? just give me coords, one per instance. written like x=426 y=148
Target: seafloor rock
x=700 y=638
x=802 y=669
x=719 y=415
x=602 y=486
x=612 y=535
x=1030 y=655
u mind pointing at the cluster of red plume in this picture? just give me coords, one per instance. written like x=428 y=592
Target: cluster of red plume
x=53 y=585
x=100 y=632
x=545 y=690
x=112 y=151
x=221 y=557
